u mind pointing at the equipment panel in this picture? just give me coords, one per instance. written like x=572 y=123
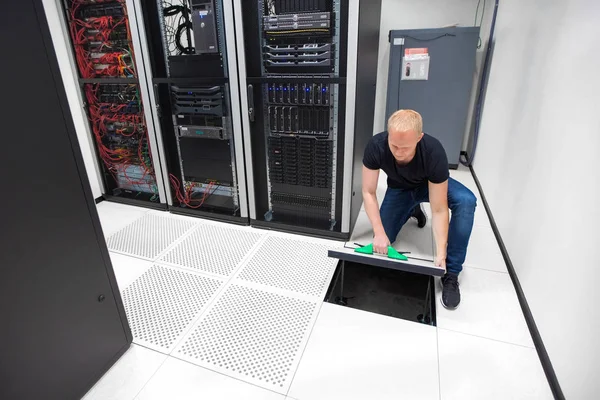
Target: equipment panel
x=103 y=51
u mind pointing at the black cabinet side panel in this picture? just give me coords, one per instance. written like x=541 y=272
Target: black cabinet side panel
x=252 y=36
x=366 y=79
x=56 y=338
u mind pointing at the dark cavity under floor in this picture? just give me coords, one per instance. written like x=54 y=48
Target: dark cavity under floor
x=384 y=291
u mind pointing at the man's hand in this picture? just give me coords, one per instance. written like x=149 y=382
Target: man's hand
x=440 y=261
x=381 y=243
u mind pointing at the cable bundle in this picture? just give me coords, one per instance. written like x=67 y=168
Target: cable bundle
x=132 y=148
x=102 y=43
x=101 y=37
x=185 y=197
x=176 y=27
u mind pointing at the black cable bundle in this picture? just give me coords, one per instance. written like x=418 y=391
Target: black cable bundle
x=184 y=26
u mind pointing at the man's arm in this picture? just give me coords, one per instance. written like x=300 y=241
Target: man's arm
x=370 y=178
x=438 y=198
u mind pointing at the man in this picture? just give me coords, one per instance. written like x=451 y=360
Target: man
x=417 y=170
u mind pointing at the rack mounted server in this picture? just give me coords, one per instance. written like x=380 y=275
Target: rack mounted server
x=252 y=112
x=192 y=70
x=304 y=134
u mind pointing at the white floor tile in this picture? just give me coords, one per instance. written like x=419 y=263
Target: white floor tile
x=483 y=251
x=417 y=241
x=489 y=308
x=128 y=269
x=150 y=235
x=203 y=250
x=180 y=380
x=128 y=376
x=162 y=304
x=477 y=368
x=114 y=216
x=276 y=264
x=354 y=354
x=252 y=335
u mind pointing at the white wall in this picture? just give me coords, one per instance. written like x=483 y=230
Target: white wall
x=71 y=88
x=537 y=161
x=414 y=14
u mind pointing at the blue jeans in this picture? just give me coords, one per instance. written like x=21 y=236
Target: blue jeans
x=398 y=205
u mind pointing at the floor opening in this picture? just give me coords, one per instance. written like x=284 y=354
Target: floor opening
x=393 y=293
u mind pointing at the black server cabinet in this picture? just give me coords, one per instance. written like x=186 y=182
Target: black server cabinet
x=103 y=42
x=299 y=86
x=63 y=322
x=191 y=54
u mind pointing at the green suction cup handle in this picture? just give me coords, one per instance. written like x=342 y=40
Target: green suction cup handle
x=391 y=253
x=368 y=249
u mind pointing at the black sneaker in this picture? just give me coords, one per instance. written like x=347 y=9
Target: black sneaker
x=450 y=291
x=419 y=215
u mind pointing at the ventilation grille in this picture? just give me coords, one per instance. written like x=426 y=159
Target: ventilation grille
x=300 y=200
x=294 y=265
x=163 y=302
x=251 y=335
x=149 y=235
x=213 y=249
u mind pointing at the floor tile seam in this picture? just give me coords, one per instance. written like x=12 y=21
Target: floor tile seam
x=196 y=271
x=484 y=269
x=277 y=290
x=233 y=272
x=196 y=225
x=162 y=252
x=131 y=255
x=152 y=376
x=223 y=374
x=288 y=292
x=214 y=299
x=532 y=347
x=304 y=349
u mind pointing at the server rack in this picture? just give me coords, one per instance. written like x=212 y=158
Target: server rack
x=304 y=136
x=105 y=57
x=192 y=71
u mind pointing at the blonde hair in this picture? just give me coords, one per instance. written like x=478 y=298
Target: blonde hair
x=405 y=120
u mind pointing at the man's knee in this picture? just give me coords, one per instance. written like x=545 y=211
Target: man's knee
x=464 y=200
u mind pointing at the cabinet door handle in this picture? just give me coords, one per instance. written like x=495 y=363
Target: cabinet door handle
x=251 y=103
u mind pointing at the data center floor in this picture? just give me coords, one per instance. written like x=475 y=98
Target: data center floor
x=229 y=312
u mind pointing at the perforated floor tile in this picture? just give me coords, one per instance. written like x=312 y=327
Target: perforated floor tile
x=162 y=304
x=149 y=235
x=213 y=248
x=295 y=265
x=252 y=335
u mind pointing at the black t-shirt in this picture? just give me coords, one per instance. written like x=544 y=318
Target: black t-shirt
x=429 y=163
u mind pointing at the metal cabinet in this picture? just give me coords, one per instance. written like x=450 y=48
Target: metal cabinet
x=307 y=77
x=63 y=322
